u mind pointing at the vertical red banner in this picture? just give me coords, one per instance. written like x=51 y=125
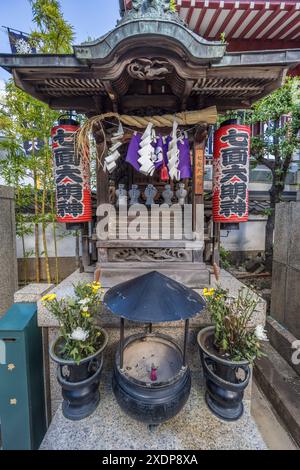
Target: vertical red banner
x=72 y=175
x=231 y=174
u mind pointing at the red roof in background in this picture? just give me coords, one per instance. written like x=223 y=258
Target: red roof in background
x=248 y=25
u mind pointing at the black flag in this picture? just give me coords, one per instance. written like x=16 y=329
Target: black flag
x=20 y=42
x=33 y=146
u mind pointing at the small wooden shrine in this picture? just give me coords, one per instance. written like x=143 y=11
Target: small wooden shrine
x=152 y=66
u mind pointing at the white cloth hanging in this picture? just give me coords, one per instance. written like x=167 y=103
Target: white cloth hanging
x=173 y=154
x=147 y=152
x=110 y=162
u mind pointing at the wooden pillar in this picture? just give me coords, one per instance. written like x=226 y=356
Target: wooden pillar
x=102 y=187
x=102 y=177
x=198 y=186
x=216 y=244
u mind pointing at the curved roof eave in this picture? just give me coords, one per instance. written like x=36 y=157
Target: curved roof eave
x=197 y=47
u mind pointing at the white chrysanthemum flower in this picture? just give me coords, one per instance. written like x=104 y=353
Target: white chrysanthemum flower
x=79 y=334
x=84 y=301
x=261 y=333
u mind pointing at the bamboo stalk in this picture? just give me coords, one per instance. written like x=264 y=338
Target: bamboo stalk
x=55 y=252
x=25 y=259
x=36 y=228
x=44 y=225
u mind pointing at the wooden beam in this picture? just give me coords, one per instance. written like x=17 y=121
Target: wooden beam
x=142 y=101
x=254 y=72
x=189 y=85
x=198 y=172
x=262 y=44
x=28 y=88
x=80 y=104
x=273 y=85
x=112 y=96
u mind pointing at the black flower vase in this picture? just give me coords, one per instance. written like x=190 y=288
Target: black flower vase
x=225 y=380
x=79 y=382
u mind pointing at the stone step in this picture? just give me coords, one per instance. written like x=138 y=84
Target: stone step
x=143 y=220
x=115 y=236
x=282 y=340
x=156 y=231
x=281 y=385
x=117 y=243
x=193 y=275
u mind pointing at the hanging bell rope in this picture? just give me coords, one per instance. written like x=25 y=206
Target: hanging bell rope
x=207 y=115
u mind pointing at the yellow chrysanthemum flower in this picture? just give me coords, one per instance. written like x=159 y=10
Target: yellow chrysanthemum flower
x=86 y=315
x=208 y=292
x=97 y=284
x=49 y=298
x=96 y=289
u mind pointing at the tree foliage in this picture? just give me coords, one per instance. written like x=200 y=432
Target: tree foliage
x=173 y=8
x=54 y=35
x=280 y=140
x=23 y=118
x=276 y=146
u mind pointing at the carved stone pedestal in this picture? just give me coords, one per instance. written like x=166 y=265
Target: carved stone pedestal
x=170 y=251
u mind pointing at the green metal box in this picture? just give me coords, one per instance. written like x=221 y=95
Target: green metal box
x=22 y=401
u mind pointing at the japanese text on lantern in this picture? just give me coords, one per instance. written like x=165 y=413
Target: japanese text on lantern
x=72 y=185
x=231 y=174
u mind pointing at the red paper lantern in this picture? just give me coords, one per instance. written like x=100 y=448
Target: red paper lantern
x=231 y=173
x=72 y=175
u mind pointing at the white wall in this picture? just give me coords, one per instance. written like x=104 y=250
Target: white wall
x=249 y=237
x=66 y=243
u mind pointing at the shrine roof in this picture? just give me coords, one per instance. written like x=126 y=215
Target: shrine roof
x=273 y=20
x=150 y=62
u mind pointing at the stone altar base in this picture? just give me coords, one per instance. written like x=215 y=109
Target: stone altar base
x=195 y=428
x=112 y=323
x=109 y=428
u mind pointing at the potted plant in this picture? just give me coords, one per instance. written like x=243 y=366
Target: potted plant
x=78 y=348
x=227 y=350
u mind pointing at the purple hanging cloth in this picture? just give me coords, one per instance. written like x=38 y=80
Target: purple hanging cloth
x=184 y=166
x=132 y=152
x=159 y=152
x=166 y=142
x=134 y=146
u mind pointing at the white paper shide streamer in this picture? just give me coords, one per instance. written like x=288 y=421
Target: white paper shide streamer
x=173 y=154
x=113 y=152
x=147 y=152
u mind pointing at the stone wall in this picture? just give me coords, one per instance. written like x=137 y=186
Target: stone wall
x=8 y=257
x=285 y=304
